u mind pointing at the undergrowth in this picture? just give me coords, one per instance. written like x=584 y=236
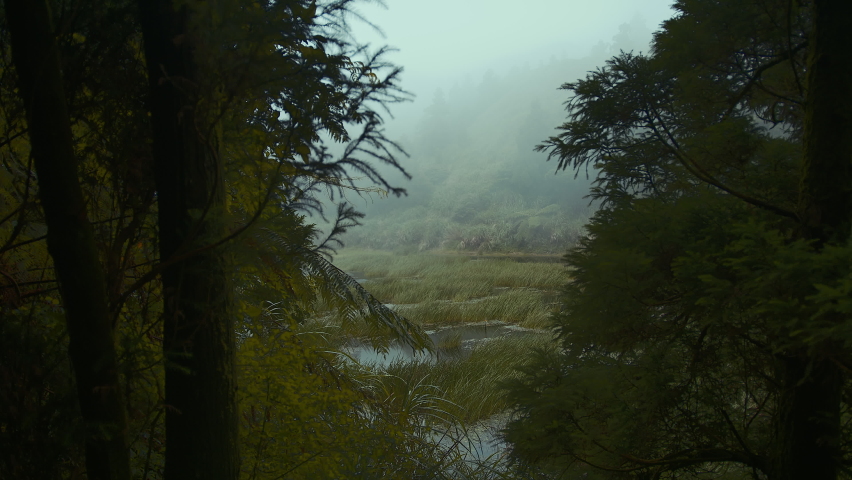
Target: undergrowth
x=448 y=397
x=523 y=307
x=471 y=383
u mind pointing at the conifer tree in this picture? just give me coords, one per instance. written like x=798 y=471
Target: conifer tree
x=809 y=431
x=706 y=328
x=225 y=103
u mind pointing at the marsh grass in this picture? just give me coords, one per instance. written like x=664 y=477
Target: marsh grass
x=426 y=289
x=524 y=307
x=442 y=290
x=527 y=308
x=471 y=384
x=450 y=343
x=417 y=278
x=460 y=384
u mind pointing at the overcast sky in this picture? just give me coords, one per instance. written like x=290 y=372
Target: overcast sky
x=443 y=41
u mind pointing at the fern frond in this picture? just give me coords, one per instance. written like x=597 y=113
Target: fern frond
x=353 y=301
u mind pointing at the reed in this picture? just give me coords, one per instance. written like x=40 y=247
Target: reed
x=471 y=384
x=405 y=279
x=437 y=291
x=524 y=307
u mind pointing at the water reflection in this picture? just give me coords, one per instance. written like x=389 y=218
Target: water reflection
x=450 y=343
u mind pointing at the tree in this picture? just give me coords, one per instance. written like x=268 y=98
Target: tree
x=198 y=316
x=197 y=91
x=70 y=240
x=270 y=168
x=809 y=430
x=704 y=330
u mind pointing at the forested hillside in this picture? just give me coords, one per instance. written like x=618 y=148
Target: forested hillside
x=477 y=183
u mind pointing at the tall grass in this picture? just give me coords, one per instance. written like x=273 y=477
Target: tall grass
x=445 y=290
x=418 y=278
x=471 y=384
x=472 y=223
x=447 y=397
x=524 y=307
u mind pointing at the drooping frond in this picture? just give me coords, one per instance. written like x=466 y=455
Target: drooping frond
x=342 y=292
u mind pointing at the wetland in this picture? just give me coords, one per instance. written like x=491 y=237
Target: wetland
x=485 y=315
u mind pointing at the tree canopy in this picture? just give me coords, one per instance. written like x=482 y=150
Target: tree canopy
x=195 y=202
x=705 y=331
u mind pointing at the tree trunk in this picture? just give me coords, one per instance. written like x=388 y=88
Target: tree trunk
x=826 y=202
x=198 y=327
x=808 y=419
x=70 y=239
x=808 y=428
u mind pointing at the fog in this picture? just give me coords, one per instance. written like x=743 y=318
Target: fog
x=485 y=78
x=441 y=42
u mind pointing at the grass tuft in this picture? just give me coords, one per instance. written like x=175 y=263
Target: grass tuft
x=472 y=383
x=524 y=307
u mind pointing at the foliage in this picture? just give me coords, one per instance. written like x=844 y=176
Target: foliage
x=37 y=396
x=649 y=370
x=694 y=288
x=470 y=382
x=401 y=421
x=280 y=80
x=304 y=418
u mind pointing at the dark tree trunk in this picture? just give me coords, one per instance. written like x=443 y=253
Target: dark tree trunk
x=70 y=239
x=826 y=203
x=201 y=413
x=808 y=419
x=807 y=433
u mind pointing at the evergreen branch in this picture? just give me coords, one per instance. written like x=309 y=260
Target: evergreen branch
x=795 y=72
x=695 y=456
x=19 y=226
x=346 y=218
x=676 y=460
x=14 y=283
x=9 y=140
x=354 y=300
x=756 y=75
x=284 y=475
x=21 y=244
x=696 y=170
x=12 y=213
x=34 y=282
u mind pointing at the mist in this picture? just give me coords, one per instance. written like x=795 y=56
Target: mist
x=444 y=42
x=484 y=79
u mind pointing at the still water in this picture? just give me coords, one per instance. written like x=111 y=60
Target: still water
x=459 y=341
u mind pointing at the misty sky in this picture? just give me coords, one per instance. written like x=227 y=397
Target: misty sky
x=494 y=63
x=445 y=41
